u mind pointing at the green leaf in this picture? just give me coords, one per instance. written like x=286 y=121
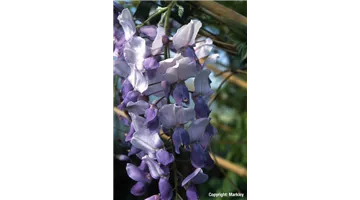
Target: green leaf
x=180 y=10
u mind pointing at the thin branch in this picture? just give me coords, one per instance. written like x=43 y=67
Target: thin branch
x=216 y=40
x=233 y=79
x=222 y=45
x=219 y=88
x=221 y=12
x=115 y=87
x=241 y=171
x=121 y=113
x=152 y=16
x=229 y=70
x=157 y=101
x=166 y=27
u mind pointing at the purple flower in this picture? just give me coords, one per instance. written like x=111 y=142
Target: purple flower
x=183 y=69
x=181 y=93
x=137 y=122
x=138 y=189
x=130 y=96
x=210 y=131
x=127 y=23
x=197 y=177
x=155 y=170
x=152 y=120
x=202 y=84
x=121 y=68
x=189 y=52
x=203 y=48
x=208 y=161
x=126 y=88
x=133 y=150
x=135 y=173
x=191 y=193
x=180 y=137
x=197 y=129
x=145 y=140
x=171 y=115
x=148 y=31
x=200 y=157
x=154 y=89
x=186 y=35
x=143 y=167
x=158 y=44
x=134 y=52
x=151 y=63
x=201 y=108
x=164 y=157
x=138 y=80
x=197 y=155
x=166 y=87
x=165 y=189
x=130 y=133
x=137 y=107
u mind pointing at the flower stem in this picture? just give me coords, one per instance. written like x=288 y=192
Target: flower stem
x=166 y=27
x=115 y=88
x=157 y=101
x=161 y=10
x=175 y=173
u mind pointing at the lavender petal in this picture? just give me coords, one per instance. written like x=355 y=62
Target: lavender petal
x=127 y=23
x=167 y=115
x=181 y=94
x=164 y=157
x=148 y=31
x=197 y=129
x=145 y=140
x=154 y=167
x=133 y=150
x=138 y=189
x=191 y=193
x=137 y=107
x=135 y=173
x=196 y=177
x=197 y=156
x=185 y=36
x=184 y=115
x=165 y=189
x=151 y=63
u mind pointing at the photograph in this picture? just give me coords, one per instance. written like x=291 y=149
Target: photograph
x=180 y=100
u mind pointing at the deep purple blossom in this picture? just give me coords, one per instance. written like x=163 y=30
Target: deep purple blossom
x=148 y=31
x=196 y=177
x=191 y=193
x=181 y=94
x=165 y=189
x=138 y=189
x=136 y=174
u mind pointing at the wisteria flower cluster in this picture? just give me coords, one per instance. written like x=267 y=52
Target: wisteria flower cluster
x=155 y=95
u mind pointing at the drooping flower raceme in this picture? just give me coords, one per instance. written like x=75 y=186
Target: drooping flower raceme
x=159 y=104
